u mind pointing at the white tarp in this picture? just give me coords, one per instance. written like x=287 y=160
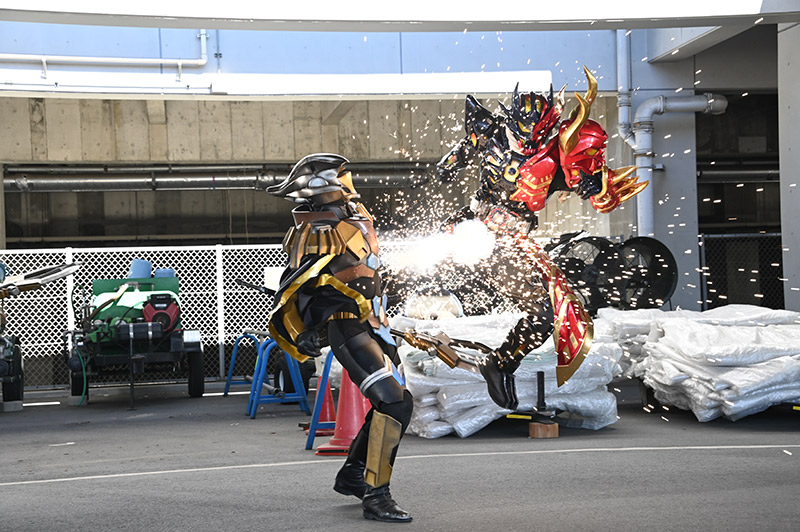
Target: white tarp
x=731 y=361
x=456 y=400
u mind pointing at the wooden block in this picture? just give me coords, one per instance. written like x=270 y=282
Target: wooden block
x=542 y=430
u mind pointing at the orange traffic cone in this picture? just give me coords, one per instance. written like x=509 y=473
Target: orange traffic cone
x=327 y=412
x=349 y=417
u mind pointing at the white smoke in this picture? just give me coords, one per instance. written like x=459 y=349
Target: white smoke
x=469 y=243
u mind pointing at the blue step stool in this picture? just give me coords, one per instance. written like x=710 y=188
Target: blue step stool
x=246 y=379
x=316 y=424
x=261 y=382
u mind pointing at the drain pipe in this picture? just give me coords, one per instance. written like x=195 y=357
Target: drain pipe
x=84 y=60
x=639 y=136
x=643 y=128
x=624 y=88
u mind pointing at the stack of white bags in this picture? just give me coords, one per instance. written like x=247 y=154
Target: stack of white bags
x=732 y=361
x=457 y=401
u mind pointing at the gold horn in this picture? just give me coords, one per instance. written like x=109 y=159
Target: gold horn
x=560 y=101
x=569 y=138
x=622 y=173
x=591 y=92
x=631 y=189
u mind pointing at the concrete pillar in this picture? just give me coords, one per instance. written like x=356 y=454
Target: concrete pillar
x=789 y=135
x=2 y=209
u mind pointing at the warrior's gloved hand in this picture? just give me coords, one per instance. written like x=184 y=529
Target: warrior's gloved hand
x=499 y=375
x=308 y=343
x=589 y=185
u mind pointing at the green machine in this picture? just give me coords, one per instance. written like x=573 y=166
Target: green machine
x=132 y=327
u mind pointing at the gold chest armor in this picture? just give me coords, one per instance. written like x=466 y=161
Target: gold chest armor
x=323 y=233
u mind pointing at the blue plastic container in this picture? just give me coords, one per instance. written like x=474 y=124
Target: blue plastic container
x=140 y=269
x=164 y=272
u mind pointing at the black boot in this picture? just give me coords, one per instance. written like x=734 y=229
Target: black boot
x=350 y=479
x=379 y=505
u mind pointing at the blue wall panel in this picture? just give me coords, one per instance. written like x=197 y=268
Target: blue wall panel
x=563 y=53
x=286 y=52
x=302 y=52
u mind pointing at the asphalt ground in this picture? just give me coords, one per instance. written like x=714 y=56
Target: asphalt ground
x=177 y=463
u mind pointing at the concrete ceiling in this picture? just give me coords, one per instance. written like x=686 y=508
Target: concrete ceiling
x=411 y=15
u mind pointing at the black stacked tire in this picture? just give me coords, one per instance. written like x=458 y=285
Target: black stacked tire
x=283 y=379
x=197 y=383
x=14 y=390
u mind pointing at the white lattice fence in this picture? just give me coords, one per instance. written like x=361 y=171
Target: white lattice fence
x=211 y=301
x=245 y=308
x=38 y=318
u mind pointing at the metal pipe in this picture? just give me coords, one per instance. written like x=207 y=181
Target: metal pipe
x=643 y=127
x=122 y=169
x=744 y=174
x=186 y=181
x=639 y=135
x=265 y=167
x=624 y=88
x=751 y=236
x=77 y=59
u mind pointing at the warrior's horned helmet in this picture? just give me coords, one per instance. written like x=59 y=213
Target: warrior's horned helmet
x=317 y=179
x=532 y=116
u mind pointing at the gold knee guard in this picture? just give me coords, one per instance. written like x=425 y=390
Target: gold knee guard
x=384 y=436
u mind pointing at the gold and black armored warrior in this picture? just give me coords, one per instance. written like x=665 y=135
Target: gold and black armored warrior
x=331 y=294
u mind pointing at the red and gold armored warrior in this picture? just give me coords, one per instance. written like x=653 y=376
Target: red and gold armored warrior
x=525 y=154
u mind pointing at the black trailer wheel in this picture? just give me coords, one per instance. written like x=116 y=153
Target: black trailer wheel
x=79 y=385
x=197 y=383
x=14 y=391
x=283 y=379
x=650 y=275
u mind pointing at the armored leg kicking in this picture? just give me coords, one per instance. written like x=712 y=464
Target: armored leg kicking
x=371 y=363
x=530 y=332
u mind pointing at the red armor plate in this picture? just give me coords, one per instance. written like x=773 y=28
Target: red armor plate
x=574 y=328
x=588 y=153
x=535 y=176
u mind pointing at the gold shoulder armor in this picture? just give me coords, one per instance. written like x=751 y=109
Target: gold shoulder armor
x=354 y=239
x=306 y=239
